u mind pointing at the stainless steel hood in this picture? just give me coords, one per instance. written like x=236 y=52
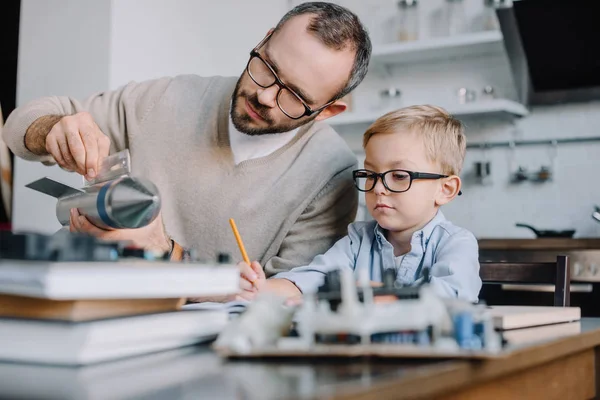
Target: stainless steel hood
x=554 y=49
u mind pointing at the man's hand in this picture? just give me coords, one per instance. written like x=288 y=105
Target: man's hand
x=75 y=142
x=150 y=237
x=252 y=280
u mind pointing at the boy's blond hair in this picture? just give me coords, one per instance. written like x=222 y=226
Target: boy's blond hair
x=443 y=135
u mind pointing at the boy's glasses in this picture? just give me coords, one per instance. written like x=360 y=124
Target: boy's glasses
x=395 y=180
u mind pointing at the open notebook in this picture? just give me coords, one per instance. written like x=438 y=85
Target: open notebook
x=232 y=307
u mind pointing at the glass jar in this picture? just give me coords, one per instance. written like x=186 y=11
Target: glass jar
x=389 y=99
x=405 y=24
x=466 y=95
x=455 y=19
x=490 y=20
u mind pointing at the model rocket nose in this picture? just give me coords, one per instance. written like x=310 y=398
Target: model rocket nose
x=133 y=202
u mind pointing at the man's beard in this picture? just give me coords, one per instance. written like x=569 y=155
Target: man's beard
x=242 y=121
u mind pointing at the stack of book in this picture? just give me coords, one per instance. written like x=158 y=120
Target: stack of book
x=76 y=313
x=172 y=374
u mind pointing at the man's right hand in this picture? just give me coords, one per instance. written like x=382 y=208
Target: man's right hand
x=77 y=144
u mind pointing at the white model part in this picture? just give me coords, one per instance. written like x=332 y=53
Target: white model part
x=261 y=325
x=367 y=318
x=492 y=339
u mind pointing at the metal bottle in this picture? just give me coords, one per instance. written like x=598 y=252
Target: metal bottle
x=126 y=202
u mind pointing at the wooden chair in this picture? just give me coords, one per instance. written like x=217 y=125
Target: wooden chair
x=557 y=274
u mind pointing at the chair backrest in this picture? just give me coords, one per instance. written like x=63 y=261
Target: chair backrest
x=556 y=273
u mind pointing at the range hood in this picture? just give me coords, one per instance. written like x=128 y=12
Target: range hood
x=554 y=49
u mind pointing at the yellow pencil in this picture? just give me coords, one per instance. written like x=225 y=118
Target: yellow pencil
x=238 y=238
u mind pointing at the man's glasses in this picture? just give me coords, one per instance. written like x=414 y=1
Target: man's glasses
x=395 y=180
x=288 y=101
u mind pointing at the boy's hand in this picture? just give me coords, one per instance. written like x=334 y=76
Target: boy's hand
x=252 y=279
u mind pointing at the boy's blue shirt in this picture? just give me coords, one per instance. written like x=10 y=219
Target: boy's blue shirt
x=451 y=253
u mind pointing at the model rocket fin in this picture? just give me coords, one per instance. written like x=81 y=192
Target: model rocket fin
x=52 y=188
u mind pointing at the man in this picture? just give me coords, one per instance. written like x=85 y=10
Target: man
x=256 y=150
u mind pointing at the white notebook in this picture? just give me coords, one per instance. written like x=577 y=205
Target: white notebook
x=174 y=374
x=80 y=343
x=513 y=317
x=116 y=280
x=537 y=334
x=169 y=373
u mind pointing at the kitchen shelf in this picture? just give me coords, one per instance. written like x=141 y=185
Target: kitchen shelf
x=470 y=44
x=484 y=108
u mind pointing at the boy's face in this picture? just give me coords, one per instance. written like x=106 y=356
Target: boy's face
x=407 y=210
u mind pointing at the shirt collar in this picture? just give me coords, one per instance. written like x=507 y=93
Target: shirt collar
x=421 y=236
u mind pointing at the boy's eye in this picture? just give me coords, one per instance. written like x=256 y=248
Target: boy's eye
x=400 y=176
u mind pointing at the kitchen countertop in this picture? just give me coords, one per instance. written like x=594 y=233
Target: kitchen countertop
x=540 y=244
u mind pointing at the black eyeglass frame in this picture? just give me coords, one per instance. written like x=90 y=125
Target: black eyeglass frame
x=413 y=175
x=308 y=111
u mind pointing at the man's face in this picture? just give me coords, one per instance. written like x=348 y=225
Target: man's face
x=306 y=65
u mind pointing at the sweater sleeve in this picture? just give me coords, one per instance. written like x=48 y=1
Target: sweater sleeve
x=321 y=224
x=111 y=110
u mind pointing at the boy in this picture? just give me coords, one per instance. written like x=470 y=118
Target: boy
x=413 y=158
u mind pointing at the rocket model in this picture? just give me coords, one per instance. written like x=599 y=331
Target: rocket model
x=114 y=200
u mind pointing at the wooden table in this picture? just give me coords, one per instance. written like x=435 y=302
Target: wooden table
x=565 y=368
x=553 y=244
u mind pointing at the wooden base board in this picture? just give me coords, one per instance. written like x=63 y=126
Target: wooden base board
x=372 y=350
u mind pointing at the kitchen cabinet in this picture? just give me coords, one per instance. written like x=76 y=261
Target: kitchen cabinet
x=485 y=108
x=439 y=48
x=389 y=56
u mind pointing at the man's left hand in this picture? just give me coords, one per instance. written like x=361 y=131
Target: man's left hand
x=150 y=237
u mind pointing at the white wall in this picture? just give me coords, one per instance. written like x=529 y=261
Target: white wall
x=153 y=38
x=63 y=50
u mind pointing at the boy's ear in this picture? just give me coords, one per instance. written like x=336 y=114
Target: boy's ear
x=449 y=190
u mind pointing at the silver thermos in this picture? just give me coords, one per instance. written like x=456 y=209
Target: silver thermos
x=123 y=203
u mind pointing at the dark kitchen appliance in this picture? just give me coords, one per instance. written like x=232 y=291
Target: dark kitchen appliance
x=548 y=233
x=552 y=46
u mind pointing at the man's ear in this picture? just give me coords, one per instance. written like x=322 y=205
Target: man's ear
x=332 y=110
x=449 y=190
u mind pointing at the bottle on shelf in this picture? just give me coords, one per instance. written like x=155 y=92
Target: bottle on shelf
x=405 y=23
x=455 y=19
x=489 y=18
x=389 y=99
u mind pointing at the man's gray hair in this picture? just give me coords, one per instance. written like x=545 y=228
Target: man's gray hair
x=338 y=28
